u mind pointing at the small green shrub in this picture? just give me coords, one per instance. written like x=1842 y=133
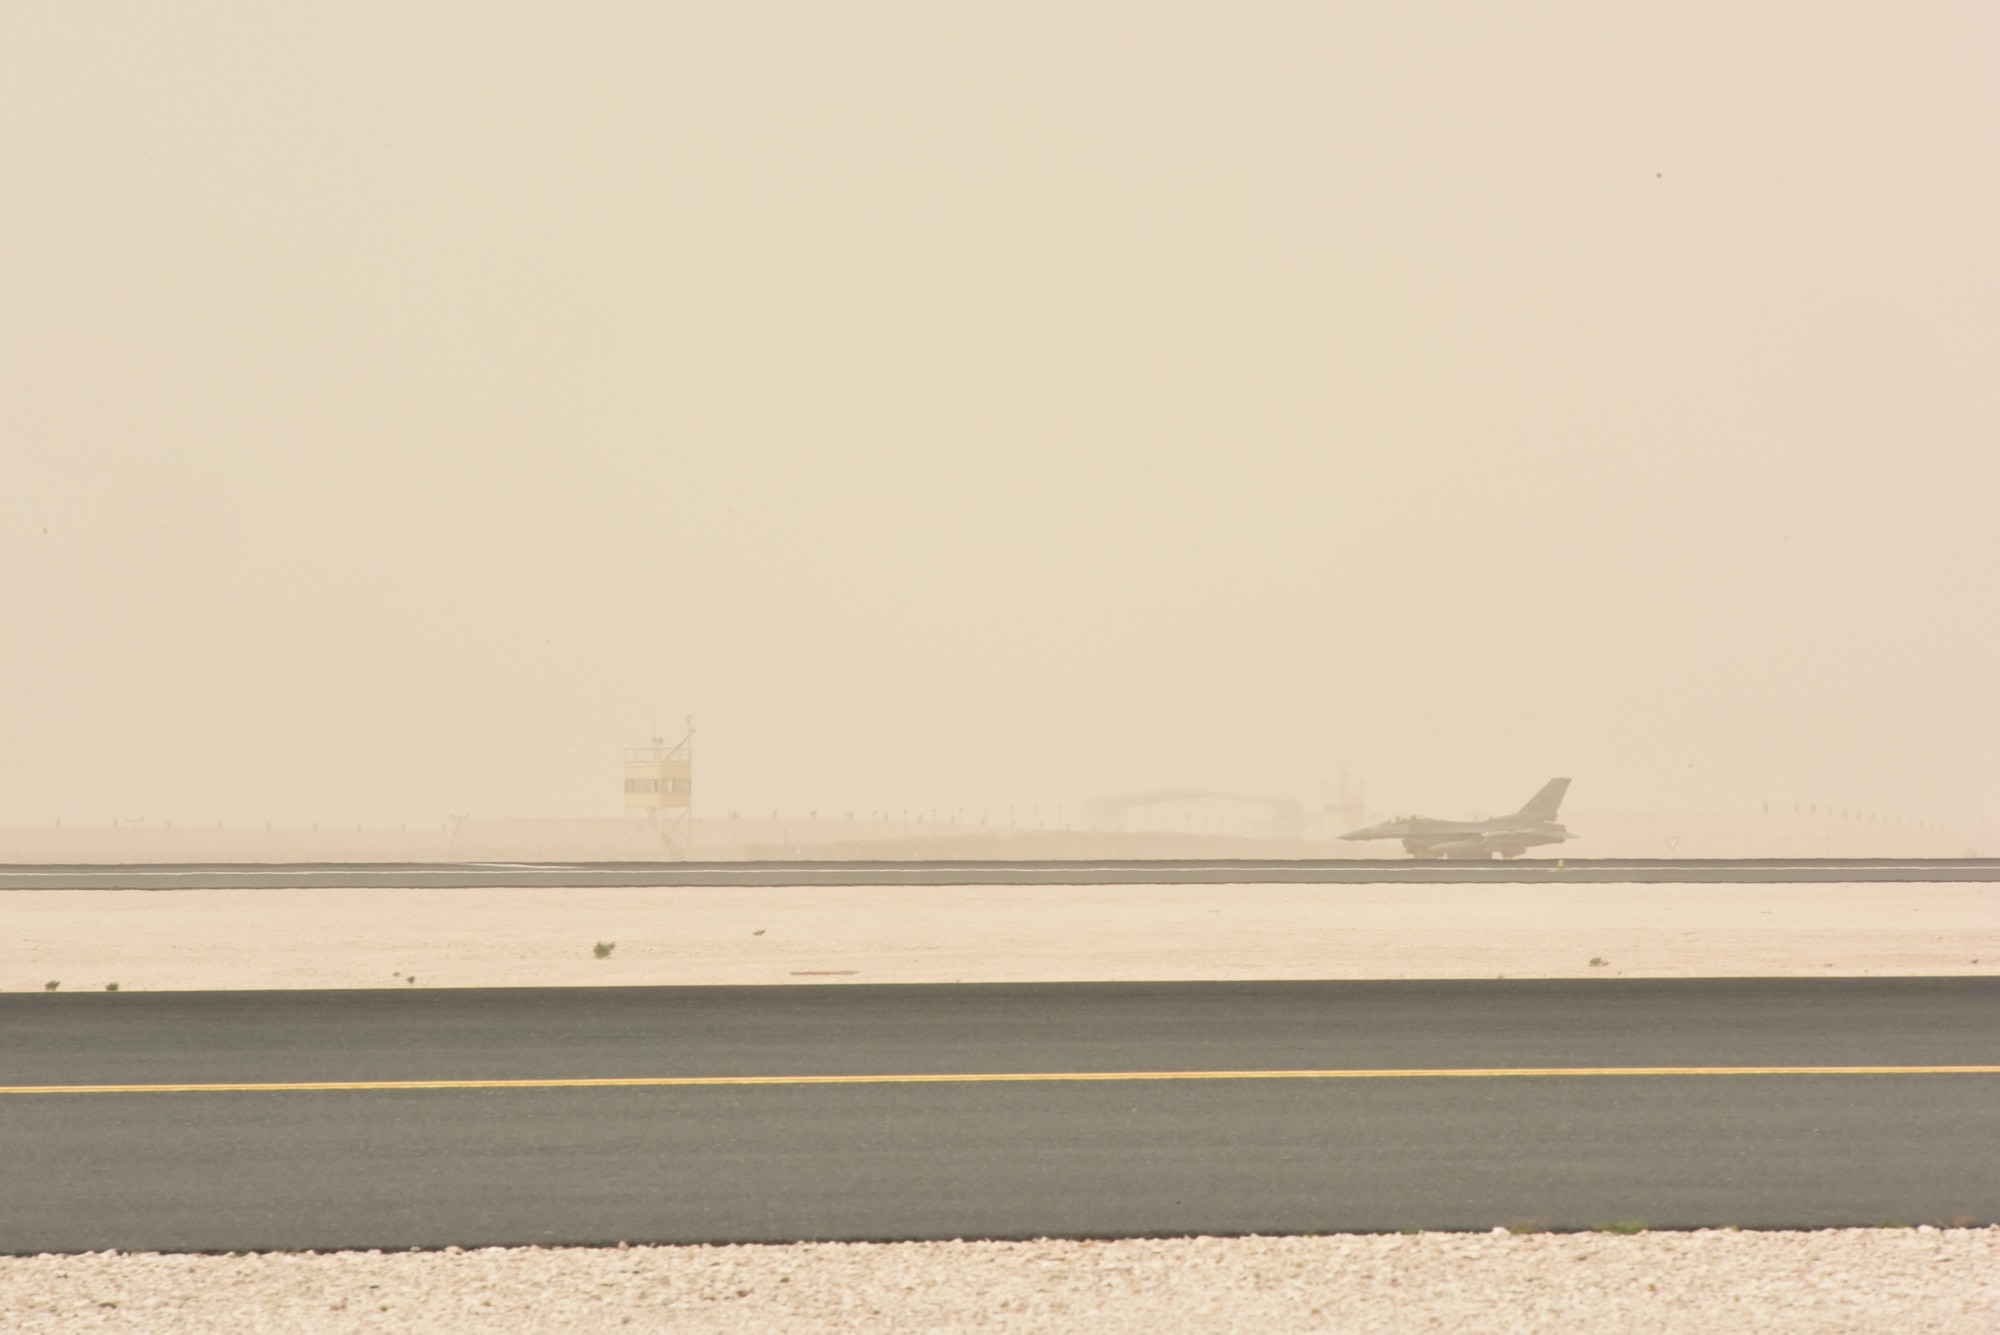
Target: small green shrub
x=1626 y=1226
x=51 y=985
x=111 y=987
x=1598 y=962
x=603 y=949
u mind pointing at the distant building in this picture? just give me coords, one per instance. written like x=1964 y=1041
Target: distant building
x=659 y=780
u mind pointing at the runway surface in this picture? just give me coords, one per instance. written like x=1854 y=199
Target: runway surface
x=1128 y=1109
x=1248 y=871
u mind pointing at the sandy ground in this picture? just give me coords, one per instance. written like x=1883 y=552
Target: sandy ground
x=189 y=939
x=1904 y=1280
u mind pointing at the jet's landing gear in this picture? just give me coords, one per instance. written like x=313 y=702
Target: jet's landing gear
x=1449 y=852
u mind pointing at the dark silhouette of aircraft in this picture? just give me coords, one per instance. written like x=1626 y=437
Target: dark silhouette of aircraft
x=1508 y=836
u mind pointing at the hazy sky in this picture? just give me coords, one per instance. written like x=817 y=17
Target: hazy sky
x=403 y=407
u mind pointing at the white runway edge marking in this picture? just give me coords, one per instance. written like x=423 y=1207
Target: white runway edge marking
x=431 y=870
x=989 y=1078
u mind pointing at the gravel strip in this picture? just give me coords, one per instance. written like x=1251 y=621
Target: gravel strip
x=1905 y=1280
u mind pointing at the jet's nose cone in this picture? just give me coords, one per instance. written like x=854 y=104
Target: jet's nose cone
x=1368 y=833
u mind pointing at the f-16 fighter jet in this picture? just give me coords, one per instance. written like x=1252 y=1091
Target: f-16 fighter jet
x=1509 y=836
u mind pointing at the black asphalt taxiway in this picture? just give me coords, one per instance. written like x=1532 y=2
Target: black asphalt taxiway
x=290 y=1120
x=1225 y=871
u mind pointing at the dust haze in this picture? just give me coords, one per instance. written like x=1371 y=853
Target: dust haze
x=404 y=409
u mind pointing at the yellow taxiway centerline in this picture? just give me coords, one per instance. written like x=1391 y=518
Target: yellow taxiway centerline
x=987 y=1078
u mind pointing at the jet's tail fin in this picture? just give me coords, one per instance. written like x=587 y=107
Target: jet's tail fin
x=1543 y=805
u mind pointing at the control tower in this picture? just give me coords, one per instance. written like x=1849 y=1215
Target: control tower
x=659 y=781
